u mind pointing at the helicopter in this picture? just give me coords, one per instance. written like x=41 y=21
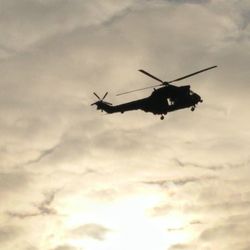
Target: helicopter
x=166 y=98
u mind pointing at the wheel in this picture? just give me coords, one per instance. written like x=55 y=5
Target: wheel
x=162 y=117
x=193 y=108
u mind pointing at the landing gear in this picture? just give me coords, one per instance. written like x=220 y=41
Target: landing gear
x=193 y=108
x=162 y=117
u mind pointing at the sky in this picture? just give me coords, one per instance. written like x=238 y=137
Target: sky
x=72 y=178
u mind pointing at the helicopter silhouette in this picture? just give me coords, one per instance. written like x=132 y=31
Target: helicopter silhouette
x=167 y=98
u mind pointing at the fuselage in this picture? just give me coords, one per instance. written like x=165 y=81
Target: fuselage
x=170 y=98
x=161 y=101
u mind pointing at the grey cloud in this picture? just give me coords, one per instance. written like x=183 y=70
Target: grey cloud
x=112 y=140
x=238 y=165
x=8 y=233
x=6 y=51
x=117 y=16
x=221 y=231
x=212 y=167
x=95 y=231
x=243 y=245
x=219 y=204
x=189 y=1
x=161 y=183
x=71 y=148
x=72 y=145
x=239 y=218
x=195 y=222
x=228 y=206
x=43 y=208
x=243 y=19
x=31 y=248
x=161 y=210
x=175 y=229
x=22 y=215
x=182 y=247
x=180 y=182
x=43 y=155
x=64 y=247
x=10 y=181
x=72 y=42
x=197 y=165
x=227 y=234
x=71 y=56
x=39 y=20
x=23 y=132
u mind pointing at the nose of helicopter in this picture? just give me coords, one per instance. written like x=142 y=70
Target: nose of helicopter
x=197 y=98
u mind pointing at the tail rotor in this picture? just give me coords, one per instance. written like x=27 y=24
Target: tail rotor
x=101 y=100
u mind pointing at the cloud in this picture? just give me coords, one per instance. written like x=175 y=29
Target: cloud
x=227 y=235
x=175 y=229
x=228 y=232
x=179 y=182
x=195 y=222
x=42 y=155
x=181 y=247
x=53 y=52
x=231 y=227
x=8 y=233
x=31 y=248
x=43 y=208
x=64 y=247
x=189 y=1
x=94 y=231
x=50 y=18
x=195 y=165
x=161 y=210
x=10 y=181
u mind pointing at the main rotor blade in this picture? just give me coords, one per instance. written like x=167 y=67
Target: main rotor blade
x=197 y=72
x=104 y=95
x=146 y=73
x=97 y=96
x=139 y=89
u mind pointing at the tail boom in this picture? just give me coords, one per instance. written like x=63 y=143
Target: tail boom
x=103 y=106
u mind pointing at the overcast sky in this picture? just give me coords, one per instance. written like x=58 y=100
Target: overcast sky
x=72 y=178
